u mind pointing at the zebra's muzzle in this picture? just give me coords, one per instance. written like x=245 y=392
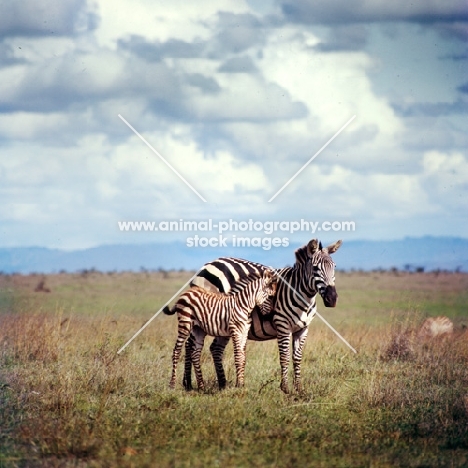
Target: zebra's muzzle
x=330 y=296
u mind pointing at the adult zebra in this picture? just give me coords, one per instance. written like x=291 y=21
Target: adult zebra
x=295 y=304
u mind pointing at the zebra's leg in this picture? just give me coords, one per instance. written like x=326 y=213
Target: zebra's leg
x=284 y=344
x=239 y=340
x=189 y=344
x=244 y=351
x=217 y=351
x=183 y=333
x=199 y=339
x=299 y=339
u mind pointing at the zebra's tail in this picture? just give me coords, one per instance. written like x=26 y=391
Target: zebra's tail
x=168 y=311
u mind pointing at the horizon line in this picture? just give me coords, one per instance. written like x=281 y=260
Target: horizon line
x=135 y=244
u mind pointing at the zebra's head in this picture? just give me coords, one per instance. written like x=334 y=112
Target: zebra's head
x=267 y=291
x=321 y=270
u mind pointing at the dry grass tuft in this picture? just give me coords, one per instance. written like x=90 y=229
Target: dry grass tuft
x=400 y=347
x=41 y=287
x=406 y=343
x=32 y=337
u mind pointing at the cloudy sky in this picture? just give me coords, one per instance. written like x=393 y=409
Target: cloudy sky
x=237 y=96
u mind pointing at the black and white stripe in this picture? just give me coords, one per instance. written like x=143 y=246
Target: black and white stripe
x=201 y=312
x=295 y=304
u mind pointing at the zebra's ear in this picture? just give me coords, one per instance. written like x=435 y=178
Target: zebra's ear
x=271 y=281
x=274 y=286
x=334 y=247
x=269 y=275
x=312 y=247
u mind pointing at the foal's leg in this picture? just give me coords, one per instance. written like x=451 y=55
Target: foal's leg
x=189 y=345
x=183 y=333
x=199 y=336
x=239 y=339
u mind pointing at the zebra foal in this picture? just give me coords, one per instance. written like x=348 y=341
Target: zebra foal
x=201 y=313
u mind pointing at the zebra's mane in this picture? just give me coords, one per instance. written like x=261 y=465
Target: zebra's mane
x=241 y=284
x=302 y=255
x=218 y=294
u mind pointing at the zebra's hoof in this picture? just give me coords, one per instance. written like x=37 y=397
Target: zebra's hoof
x=284 y=388
x=222 y=385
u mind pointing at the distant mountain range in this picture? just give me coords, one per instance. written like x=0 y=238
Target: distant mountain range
x=428 y=253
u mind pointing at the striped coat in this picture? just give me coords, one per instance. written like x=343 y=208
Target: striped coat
x=202 y=313
x=295 y=304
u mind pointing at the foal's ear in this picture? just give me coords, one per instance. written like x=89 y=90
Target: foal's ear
x=270 y=277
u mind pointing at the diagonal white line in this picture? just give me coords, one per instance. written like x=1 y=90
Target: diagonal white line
x=157 y=313
x=312 y=158
x=301 y=297
x=336 y=333
x=162 y=159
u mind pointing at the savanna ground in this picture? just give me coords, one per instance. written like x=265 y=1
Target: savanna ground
x=67 y=399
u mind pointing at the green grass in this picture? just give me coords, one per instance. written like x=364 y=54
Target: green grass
x=67 y=399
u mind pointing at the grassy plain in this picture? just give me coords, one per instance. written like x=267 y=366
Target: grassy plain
x=67 y=399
